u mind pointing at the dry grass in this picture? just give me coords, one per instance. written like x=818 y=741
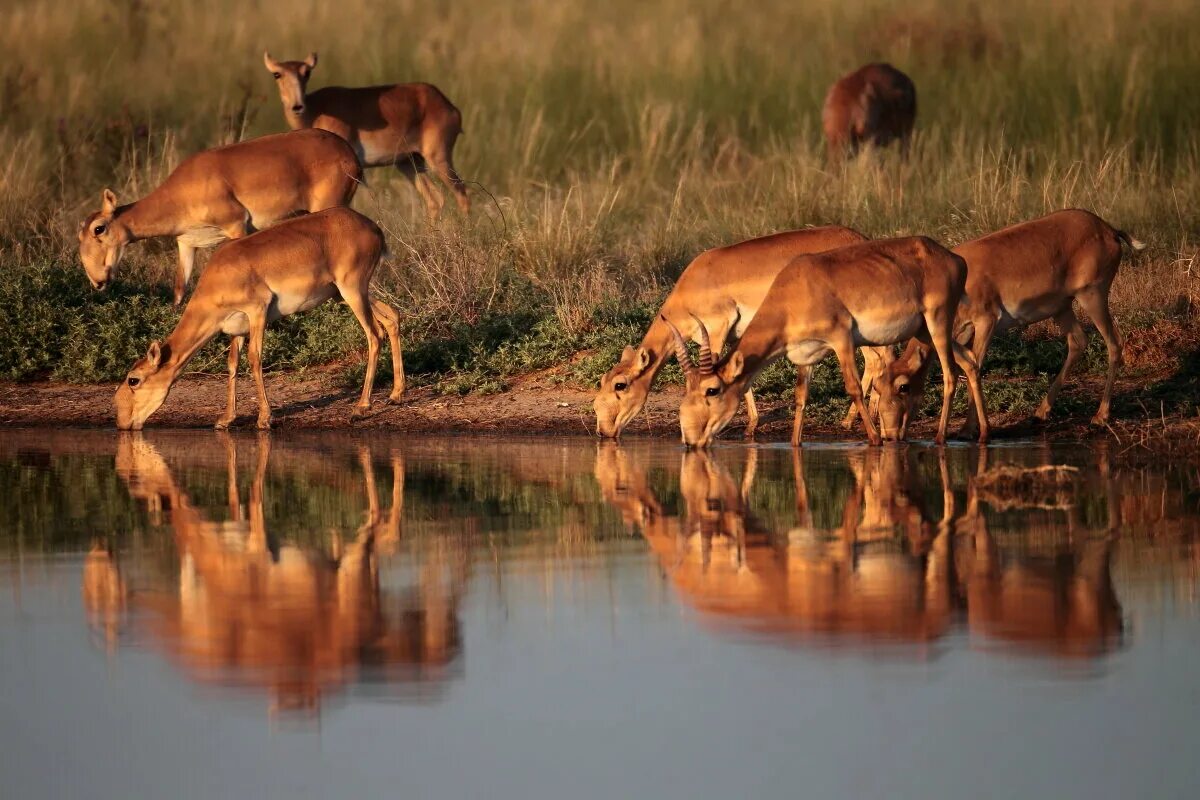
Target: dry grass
x=618 y=139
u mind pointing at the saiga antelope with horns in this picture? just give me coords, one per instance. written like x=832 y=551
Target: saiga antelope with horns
x=292 y=267
x=721 y=290
x=409 y=125
x=223 y=193
x=876 y=293
x=1020 y=275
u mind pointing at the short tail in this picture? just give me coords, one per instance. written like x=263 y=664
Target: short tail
x=1135 y=244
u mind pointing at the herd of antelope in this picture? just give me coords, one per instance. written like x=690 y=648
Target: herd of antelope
x=284 y=200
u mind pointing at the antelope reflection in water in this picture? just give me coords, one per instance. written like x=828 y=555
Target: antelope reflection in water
x=892 y=571
x=299 y=623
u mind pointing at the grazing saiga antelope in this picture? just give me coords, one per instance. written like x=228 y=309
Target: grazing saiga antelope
x=223 y=193
x=1018 y=276
x=720 y=289
x=876 y=294
x=876 y=104
x=292 y=267
x=409 y=125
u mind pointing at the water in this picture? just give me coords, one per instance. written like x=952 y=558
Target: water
x=186 y=614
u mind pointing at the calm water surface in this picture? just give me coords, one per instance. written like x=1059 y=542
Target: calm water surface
x=187 y=614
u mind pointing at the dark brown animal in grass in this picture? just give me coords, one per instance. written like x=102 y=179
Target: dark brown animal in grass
x=876 y=104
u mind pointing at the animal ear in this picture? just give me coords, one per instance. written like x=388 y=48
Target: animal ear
x=271 y=64
x=311 y=61
x=736 y=364
x=154 y=354
x=627 y=354
x=108 y=202
x=642 y=359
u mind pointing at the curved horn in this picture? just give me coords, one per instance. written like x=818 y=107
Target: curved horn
x=681 y=353
x=706 y=354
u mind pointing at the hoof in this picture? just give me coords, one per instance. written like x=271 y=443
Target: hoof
x=358 y=413
x=264 y=424
x=748 y=436
x=222 y=424
x=1099 y=421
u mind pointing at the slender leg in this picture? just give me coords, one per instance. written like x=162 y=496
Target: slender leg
x=803 y=373
x=1077 y=340
x=751 y=413
x=258 y=327
x=432 y=198
x=235 y=352
x=183 y=273
x=939 y=321
x=844 y=349
x=1095 y=303
x=360 y=303
x=443 y=165
x=981 y=340
x=390 y=320
x=966 y=362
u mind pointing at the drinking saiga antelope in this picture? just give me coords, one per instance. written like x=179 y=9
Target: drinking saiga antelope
x=877 y=293
x=223 y=193
x=410 y=125
x=292 y=267
x=720 y=290
x=1017 y=276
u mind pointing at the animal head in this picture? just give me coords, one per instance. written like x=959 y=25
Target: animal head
x=144 y=389
x=102 y=240
x=292 y=79
x=623 y=391
x=900 y=388
x=709 y=401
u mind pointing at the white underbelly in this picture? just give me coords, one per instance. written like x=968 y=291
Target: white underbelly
x=286 y=303
x=236 y=324
x=883 y=331
x=202 y=236
x=808 y=352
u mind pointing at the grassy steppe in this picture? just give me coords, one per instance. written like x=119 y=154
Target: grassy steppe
x=618 y=139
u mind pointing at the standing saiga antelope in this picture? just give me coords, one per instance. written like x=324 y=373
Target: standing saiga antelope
x=876 y=104
x=292 y=267
x=1018 y=276
x=409 y=125
x=877 y=293
x=223 y=193
x=722 y=290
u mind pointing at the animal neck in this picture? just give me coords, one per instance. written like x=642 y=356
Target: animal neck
x=759 y=347
x=195 y=329
x=660 y=341
x=151 y=216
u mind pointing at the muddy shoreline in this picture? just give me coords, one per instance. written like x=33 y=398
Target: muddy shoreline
x=533 y=407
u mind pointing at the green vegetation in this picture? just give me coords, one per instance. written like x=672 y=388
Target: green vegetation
x=619 y=139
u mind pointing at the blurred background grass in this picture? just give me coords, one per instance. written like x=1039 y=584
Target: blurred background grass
x=618 y=138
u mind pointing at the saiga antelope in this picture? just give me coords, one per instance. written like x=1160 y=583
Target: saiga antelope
x=720 y=289
x=876 y=104
x=1020 y=275
x=877 y=293
x=223 y=193
x=409 y=125
x=292 y=267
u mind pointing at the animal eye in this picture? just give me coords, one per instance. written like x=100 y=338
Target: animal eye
x=277 y=75
x=98 y=230
x=712 y=391
x=133 y=382
x=902 y=388
x=621 y=386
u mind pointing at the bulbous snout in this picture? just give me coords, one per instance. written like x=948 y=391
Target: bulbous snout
x=100 y=284
x=298 y=108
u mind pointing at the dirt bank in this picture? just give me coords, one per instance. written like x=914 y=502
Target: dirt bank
x=532 y=405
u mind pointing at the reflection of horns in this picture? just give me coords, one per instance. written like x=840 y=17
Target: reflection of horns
x=706 y=355
x=681 y=353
